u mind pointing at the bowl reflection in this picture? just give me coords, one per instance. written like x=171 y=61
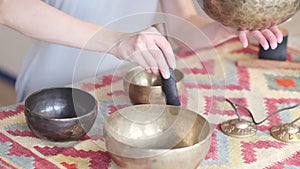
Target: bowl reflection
x=157 y=136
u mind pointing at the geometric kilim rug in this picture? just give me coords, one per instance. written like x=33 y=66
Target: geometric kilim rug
x=207 y=81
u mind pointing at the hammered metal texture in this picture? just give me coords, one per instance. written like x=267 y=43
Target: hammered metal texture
x=239 y=128
x=250 y=14
x=286 y=132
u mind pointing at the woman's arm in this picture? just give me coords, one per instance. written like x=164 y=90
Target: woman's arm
x=38 y=20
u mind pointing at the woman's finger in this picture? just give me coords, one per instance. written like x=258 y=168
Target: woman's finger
x=139 y=59
x=151 y=62
x=167 y=51
x=270 y=37
x=276 y=31
x=260 y=38
x=243 y=38
x=161 y=61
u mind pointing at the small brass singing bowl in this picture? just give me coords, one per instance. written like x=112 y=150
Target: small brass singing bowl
x=146 y=88
x=250 y=14
x=60 y=114
x=157 y=136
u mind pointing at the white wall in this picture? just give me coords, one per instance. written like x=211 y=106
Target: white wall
x=293 y=25
x=12 y=50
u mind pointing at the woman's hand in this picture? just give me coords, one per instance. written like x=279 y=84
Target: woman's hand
x=266 y=37
x=149 y=49
x=219 y=33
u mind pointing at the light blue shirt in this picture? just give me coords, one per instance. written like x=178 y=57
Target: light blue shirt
x=50 y=65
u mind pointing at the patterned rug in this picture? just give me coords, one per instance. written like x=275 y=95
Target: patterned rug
x=209 y=76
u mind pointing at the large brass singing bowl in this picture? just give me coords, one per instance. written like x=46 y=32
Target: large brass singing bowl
x=157 y=136
x=250 y=14
x=145 y=88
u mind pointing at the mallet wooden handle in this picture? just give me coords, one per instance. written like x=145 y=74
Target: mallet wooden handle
x=273 y=64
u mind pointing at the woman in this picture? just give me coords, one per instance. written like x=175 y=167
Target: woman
x=113 y=31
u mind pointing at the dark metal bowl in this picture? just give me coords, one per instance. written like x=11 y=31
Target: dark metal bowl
x=250 y=14
x=60 y=114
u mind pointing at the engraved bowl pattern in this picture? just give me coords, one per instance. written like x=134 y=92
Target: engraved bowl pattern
x=250 y=14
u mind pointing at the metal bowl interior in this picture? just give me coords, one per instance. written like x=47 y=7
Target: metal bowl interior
x=155 y=132
x=250 y=14
x=60 y=114
x=144 y=88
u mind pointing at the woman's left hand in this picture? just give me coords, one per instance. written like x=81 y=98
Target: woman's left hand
x=265 y=37
x=219 y=33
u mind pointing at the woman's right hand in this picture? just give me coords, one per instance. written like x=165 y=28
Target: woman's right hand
x=148 y=48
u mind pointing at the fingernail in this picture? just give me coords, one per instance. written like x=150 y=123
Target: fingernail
x=173 y=66
x=266 y=47
x=280 y=40
x=166 y=75
x=274 y=46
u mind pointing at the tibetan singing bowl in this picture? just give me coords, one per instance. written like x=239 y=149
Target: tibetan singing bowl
x=157 y=136
x=146 y=88
x=250 y=14
x=60 y=114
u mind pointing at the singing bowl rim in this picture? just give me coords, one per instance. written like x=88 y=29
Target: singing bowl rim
x=199 y=143
x=38 y=114
x=138 y=69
